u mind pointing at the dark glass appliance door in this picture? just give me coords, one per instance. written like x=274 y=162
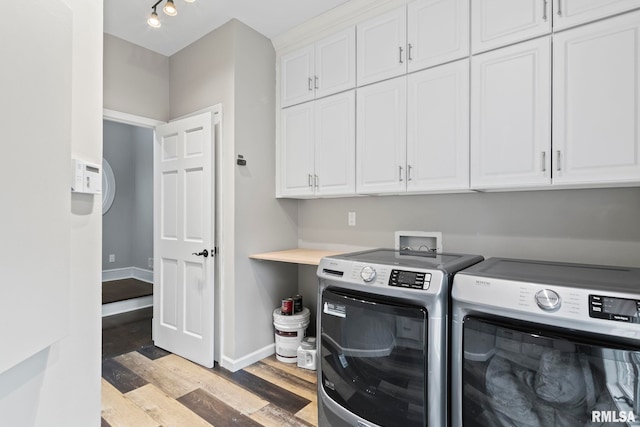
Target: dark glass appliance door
x=374 y=357
x=523 y=374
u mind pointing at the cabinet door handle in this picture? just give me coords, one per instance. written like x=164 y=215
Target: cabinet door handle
x=309 y=178
x=558 y=158
x=559 y=7
x=544 y=161
x=400 y=173
x=400 y=50
x=544 y=9
x=316 y=181
x=409 y=47
x=315 y=82
x=310 y=84
x=408 y=172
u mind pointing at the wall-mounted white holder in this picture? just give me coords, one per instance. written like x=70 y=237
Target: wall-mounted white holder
x=428 y=241
x=85 y=177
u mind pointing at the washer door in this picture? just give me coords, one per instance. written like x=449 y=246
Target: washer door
x=374 y=357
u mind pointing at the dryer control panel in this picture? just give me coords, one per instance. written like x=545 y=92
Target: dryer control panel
x=410 y=279
x=617 y=309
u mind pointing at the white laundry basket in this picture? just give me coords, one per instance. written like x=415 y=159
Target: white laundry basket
x=290 y=329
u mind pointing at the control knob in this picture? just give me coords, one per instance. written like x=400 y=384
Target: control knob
x=548 y=300
x=368 y=274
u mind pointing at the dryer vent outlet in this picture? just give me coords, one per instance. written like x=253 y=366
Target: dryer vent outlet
x=427 y=241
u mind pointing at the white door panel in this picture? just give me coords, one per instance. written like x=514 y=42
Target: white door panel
x=597 y=102
x=511 y=116
x=184 y=218
x=296 y=150
x=381 y=137
x=568 y=13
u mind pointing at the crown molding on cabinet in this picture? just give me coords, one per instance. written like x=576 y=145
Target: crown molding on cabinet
x=336 y=19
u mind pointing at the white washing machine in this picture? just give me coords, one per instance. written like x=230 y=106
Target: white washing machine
x=545 y=344
x=382 y=323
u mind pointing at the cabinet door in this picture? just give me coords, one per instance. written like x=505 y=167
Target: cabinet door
x=438 y=32
x=381 y=47
x=568 y=13
x=438 y=128
x=496 y=23
x=381 y=137
x=336 y=63
x=335 y=144
x=296 y=76
x=596 y=101
x=296 y=150
x=510 y=116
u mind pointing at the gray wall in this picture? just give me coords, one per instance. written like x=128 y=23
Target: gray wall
x=235 y=66
x=136 y=80
x=128 y=225
x=587 y=226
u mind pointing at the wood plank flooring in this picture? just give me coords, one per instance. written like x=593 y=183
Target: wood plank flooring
x=147 y=386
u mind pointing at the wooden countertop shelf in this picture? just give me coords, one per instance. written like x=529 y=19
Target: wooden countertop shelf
x=296 y=256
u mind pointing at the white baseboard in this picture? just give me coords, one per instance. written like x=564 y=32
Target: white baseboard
x=127 y=273
x=125 y=306
x=237 y=364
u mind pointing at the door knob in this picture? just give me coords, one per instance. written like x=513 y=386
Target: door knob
x=204 y=253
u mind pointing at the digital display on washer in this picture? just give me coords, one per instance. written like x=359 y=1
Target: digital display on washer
x=618 y=309
x=409 y=279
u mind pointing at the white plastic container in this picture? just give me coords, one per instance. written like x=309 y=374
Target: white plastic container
x=307 y=353
x=289 y=332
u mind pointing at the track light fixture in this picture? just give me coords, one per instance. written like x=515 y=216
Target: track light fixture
x=169 y=9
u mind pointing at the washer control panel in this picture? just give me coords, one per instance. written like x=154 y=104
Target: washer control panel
x=617 y=309
x=410 y=279
x=368 y=273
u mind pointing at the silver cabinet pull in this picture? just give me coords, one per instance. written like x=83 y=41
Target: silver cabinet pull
x=309 y=183
x=409 y=47
x=544 y=11
x=544 y=161
x=558 y=157
x=400 y=50
x=559 y=7
x=408 y=172
x=400 y=173
x=316 y=181
x=315 y=84
x=310 y=84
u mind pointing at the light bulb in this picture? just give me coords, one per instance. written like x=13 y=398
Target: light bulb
x=170 y=8
x=153 y=20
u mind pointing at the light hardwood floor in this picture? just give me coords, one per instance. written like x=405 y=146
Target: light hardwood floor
x=150 y=387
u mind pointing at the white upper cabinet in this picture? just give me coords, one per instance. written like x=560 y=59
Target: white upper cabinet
x=438 y=128
x=297 y=150
x=381 y=47
x=322 y=69
x=438 y=32
x=496 y=23
x=381 y=137
x=335 y=145
x=568 y=13
x=596 y=102
x=423 y=34
x=511 y=116
x=317 y=147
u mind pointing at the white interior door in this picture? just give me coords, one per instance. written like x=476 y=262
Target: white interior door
x=183 y=298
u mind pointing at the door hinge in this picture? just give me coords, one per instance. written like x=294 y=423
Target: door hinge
x=214 y=251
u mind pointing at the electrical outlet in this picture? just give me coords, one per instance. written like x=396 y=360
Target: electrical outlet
x=351 y=219
x=150 y=263
x=112 y=257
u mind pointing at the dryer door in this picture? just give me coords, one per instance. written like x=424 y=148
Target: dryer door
x=374 y=357
x=517 y=373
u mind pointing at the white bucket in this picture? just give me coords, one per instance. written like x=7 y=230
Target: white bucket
x=290 y=329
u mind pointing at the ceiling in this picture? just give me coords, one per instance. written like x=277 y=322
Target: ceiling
x=127 y=19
